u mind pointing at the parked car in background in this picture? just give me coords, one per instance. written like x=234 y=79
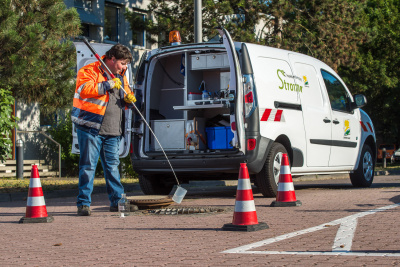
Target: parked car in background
x=397 y=155
x=390 y=149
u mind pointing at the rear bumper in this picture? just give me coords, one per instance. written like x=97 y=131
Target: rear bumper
x=205 y=164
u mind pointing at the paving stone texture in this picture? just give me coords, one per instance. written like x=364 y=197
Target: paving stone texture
x=105 y=239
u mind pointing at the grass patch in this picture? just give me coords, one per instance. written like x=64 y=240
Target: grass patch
x=389 y=166
x=10 y=185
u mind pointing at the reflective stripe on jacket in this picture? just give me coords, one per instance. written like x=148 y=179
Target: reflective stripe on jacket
x=91 y=97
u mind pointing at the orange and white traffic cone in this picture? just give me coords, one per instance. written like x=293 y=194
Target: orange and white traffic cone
x=36 y=211
x=285 y=196
x=245 y=215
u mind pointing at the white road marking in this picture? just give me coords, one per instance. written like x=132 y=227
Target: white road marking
x=342 y=243
x=344 y=236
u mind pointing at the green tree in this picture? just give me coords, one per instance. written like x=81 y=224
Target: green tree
x=239 y=17
x=36 y=57
x=378 y=74
x=328 y=30
x=7 y=123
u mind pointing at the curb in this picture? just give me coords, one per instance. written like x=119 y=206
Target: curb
x=378 y=173
x=22 y=196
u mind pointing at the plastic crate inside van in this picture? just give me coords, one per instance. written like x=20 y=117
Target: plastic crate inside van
x=219 y=137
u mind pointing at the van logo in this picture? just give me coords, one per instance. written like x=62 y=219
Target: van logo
x=346 y=128
x=288 y=86
x=305 y=81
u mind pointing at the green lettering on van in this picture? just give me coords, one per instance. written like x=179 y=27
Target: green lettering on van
x=288 y=86
x=283 y=83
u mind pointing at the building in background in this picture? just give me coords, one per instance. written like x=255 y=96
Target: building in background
x=104 y=22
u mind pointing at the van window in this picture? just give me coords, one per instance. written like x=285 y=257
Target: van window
x=338 y=96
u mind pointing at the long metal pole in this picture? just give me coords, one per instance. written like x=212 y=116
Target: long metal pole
x=198 y=20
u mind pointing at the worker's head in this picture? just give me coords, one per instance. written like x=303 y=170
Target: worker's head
x=118 y=58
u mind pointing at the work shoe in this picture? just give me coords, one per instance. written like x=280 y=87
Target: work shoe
x=113 y=208
x=84 y=210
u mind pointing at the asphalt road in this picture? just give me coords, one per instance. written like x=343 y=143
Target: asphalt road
x=337 y=225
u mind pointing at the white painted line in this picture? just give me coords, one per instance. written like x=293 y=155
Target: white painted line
x=322 y=253
x=344 y=234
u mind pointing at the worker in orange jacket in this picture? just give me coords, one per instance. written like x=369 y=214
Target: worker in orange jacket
x=97 y=112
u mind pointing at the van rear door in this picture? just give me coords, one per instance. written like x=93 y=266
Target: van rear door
x=235 y=84
x=83 y=57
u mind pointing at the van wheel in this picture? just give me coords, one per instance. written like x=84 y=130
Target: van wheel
x=151 y=185
x=268 y=178
x=364 y=175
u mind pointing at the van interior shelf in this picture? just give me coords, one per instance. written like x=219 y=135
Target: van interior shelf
x=172 y=89
x=204 y=106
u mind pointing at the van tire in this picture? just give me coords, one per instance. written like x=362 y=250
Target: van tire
x=151 y=185
x=268 y=178
x=364 y=175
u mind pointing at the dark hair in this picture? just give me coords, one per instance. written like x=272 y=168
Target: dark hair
x=119 y=51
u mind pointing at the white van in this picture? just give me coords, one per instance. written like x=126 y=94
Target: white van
x=215 y=105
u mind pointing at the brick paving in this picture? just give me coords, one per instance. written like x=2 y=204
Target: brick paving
x=104 y=239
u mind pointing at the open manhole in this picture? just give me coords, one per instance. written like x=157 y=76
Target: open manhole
x=185 y=210
x=150 y=201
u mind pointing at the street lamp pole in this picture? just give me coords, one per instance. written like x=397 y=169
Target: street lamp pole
x=198 y=20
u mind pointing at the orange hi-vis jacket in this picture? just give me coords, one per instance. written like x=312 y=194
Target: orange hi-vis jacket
x=91 y=96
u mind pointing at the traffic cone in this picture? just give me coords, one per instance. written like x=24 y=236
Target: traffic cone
x=285 y=196
x=36 y=211
x=245 y=215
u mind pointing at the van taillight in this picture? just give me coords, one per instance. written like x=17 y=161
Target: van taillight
x=251 y=144
x=249 y=95
x=248 y=99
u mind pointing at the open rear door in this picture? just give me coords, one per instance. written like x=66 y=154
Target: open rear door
x=83 y=57
x=235 y=84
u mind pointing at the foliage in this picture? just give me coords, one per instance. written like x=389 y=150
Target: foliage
x=379 y=72
x=9 y=185
x=7 y=123
x=239 y=17
x=62 y=133
x=36 y=57
x=327 y=30
x=357 y=38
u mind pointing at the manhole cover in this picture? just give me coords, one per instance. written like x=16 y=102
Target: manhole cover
x=150 y=201
x=185 y=210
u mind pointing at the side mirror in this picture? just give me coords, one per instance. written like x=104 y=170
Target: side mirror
x=359 y=101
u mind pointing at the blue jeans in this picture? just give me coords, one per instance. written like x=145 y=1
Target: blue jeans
x=91 y=147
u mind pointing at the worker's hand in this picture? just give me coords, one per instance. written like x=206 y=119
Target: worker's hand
x=130 y=98
x=115 y=83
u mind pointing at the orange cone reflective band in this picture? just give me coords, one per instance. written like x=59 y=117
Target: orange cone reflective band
x=245 y=210
x=285 y=196
x=245 y=215
x=36 y=210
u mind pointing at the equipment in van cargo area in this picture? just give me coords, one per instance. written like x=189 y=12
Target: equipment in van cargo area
x=261 y=102
x=170 y=133
x=219 y=137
